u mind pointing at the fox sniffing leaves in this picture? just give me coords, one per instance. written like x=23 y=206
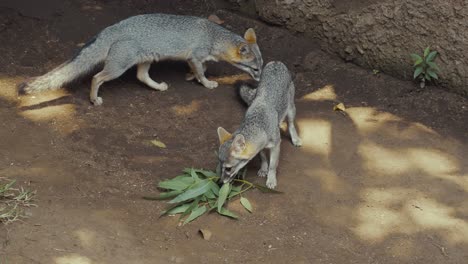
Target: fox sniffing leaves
x=269 y=105
x=143 y=39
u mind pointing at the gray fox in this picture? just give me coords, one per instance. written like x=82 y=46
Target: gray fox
x=269 y=105
x=143 y=39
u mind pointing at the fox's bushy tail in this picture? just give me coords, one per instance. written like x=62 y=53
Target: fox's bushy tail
x=247 y=93
x=92 y=54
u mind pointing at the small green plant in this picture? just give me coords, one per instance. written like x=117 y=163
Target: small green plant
x=196 y=192
x=13 y=201
x=425 y=69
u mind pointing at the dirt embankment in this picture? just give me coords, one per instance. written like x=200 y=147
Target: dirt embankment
x=380 y=35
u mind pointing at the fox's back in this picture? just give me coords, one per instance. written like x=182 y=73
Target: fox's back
x=166 y=33
x=272 y=99
x=274 y=88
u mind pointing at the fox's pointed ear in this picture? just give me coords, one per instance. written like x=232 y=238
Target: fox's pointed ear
x=250 y=36
x=223 y=135
x=238 y=144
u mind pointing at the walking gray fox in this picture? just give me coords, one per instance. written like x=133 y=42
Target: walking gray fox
x=143 y=39
x=269 y=105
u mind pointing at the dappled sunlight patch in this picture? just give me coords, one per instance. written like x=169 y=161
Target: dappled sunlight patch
x=183 y=110
x=381 y=213
x=60 y=116
x=325 y=93
x=86 y=237
x=329 y=181
x=8 y=90
x=316 y=135
x=368 y=119
x=73 y=259
x=383 y=161
x=434 y=215
x=406 y=211
x=42 y=97
x=432 y=161
x=50 y=112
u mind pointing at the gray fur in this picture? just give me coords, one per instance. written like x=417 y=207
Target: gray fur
x=142 y=39
x=270 y=104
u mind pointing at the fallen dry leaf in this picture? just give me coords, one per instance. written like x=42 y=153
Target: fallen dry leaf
x=158 y=143
x=339 y=107
x=206 y=234
x=215 y=19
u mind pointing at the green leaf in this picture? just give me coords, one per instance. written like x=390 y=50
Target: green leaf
x=235 y=190
x=223 y=194
x=168 y=209
x=214 y=188
x=427 y=77
x=195 y=213
x=196 y=190
x=417 y=72
x=265 y=189
x=431 y=73
x=210 y=195
x=426 y=52
x=163 y=195
x=431 y=56
x=433 y=65
x=192 y=206
x=212 y=204
x=179 y=183
x=417 y=62
x=416 y=57
x=178 y=209
x=228 y=213
x=206 y=173
x=246 y=204
x=194 y=175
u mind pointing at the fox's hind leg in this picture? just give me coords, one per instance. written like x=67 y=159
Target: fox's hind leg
x=291 y=116
x=197 y=67
x=122 y=55
x=143 y=76
x=263 y=171
x=191 y=75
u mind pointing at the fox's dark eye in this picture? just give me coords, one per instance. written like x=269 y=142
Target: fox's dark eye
x=228 y=169
x=244 y=50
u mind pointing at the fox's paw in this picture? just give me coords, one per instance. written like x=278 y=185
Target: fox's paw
x=271 y=182
x=262 y=172
x=162 y=86
x=210 y=84
x=297 y=142
x=189 y=76
x=97 y=101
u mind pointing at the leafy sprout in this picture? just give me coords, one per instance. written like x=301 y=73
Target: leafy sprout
x=425 y=69
x=196 y=192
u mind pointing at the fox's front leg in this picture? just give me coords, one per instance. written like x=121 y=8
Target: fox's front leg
x=191 y=75
x=274 y=158
x=197 y=67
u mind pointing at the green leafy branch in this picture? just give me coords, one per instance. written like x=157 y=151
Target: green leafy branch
x=196 y=192
x=425 y=69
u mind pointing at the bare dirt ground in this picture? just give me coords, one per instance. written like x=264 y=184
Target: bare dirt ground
x=386 y=182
